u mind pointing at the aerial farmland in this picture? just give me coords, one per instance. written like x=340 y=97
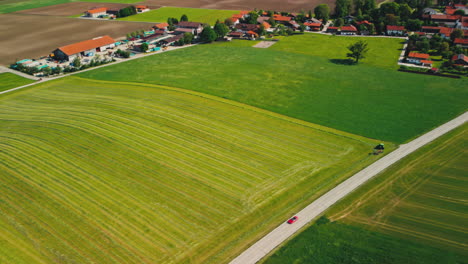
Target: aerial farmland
x=201 y=131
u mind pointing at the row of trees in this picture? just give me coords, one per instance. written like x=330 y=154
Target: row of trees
x=127 y=11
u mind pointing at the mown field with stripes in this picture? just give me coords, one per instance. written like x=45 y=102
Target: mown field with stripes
x=415 y=212
x=107 y=172
x=424 y=198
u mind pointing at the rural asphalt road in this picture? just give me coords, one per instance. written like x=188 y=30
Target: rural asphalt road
x=272 y=240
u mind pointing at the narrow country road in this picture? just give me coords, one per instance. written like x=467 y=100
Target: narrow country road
x=272 y=240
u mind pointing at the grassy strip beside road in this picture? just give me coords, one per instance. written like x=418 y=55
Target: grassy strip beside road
x=110 y=172
x=9 y=80
x=194 y=14
x=362 y=99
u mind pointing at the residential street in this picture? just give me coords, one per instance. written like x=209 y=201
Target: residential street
x=280 y=234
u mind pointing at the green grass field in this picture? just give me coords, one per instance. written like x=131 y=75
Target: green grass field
x=363 y=99
x=10 y=80
x=8 y=6
x=107 y=172
x=415 y=212
x=194 y=14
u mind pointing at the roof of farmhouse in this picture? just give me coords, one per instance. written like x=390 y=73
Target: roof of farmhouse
x=87 y=45
x=97 y=10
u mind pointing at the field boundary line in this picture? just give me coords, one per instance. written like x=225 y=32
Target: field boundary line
x=285 y=231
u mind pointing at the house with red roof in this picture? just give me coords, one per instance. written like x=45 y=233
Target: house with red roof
x=419 y=58
x=196 y=26
x=332 y=29
x=460 y=60
x=313 y=26
x=161 y=26
x=396 y=30
x=461 y=42
x=96 y=12
x=84 y=48
x=246 y=27
x=348 y=30
x=445 y=20
x=281 y=19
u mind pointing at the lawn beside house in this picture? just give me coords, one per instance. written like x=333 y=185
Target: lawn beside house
x=362 y=99
x=194 y=14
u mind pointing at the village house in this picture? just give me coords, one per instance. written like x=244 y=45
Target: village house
x=262 y=19
x=443 y=31
x=419 y=58
x=332 y=29
x=246 y=27
x=84 y=48
x=460 y=60
x=171 y=40
x=348 y=30
x=96 y=12
x=142 y=8
x=282 y=19
x=236 y=34
x=161 y=26
x=461 y=42
x=445 y=20
x=313 y=26
x=196 y=26
x=184 y=30
x=395 y=30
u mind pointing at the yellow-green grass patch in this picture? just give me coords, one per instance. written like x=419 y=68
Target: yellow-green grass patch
x=194 y=14
x=9 y=80
x=107 y=172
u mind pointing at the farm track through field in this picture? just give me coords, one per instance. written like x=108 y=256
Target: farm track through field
x=98 y=171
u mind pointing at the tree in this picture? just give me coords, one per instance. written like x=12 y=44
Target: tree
x=457 y=33
x=56 y=70
x=405 y=11
x=252 y=18
x=272 y=21
x=228 y=22
x=460 y=12
x=184 y=17
x=443 y=47
x=172 y=21
x=302 y=28
x=188 y=37
x=144 y=47
x=390 y=8
x=368 y=6
x=76 y=62
x=423 y=45
x=208 y=35
x=261 y=30
x=342 y=8
x=221 y=30
x=391 y=19
x=322 y=11
x=414 y=24
x=129 y=36
x=338 y=22
x=357 y=50
x=358 y=5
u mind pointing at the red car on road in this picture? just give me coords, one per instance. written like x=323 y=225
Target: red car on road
x=293 y=220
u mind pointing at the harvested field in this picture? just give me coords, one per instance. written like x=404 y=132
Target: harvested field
x=280 y=5
x=68 y=9
x=41 y=35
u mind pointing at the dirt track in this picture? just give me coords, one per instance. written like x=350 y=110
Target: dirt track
x=32 y=36
x=68 y=9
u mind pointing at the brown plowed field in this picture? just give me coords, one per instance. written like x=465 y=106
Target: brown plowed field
x=70 y=9
x=32 y=36
x=277 y=5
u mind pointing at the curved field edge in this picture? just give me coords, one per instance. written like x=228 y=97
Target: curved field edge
x=412 y=212
x=362 y=99
x=96 y=147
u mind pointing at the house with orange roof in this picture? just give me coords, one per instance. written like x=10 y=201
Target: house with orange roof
x=445 y=20
x=142 y=8
x=266 y=25
x=348 y=30
x=460 y=60
x=281 y=19
x=395 y=30
x=84 y=48
x=96 y=12
x=419 y=58
x=161 y=26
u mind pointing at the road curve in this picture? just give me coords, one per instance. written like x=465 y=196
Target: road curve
x=273 y=239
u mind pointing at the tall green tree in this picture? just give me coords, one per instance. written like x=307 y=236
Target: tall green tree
x=357 y=50
x=457 y=33
x=144 y=47
x=208 y=35
x=184 y=17
x=221 y=29
x=342 y=8
x=252 y=18
x=322 y=11
x=76 y=62
x=368 y=6
x=358 y=5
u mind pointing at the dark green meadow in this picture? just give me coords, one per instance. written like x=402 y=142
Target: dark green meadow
x=366 y=99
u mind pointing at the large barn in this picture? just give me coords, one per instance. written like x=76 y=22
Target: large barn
x=84 y=48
